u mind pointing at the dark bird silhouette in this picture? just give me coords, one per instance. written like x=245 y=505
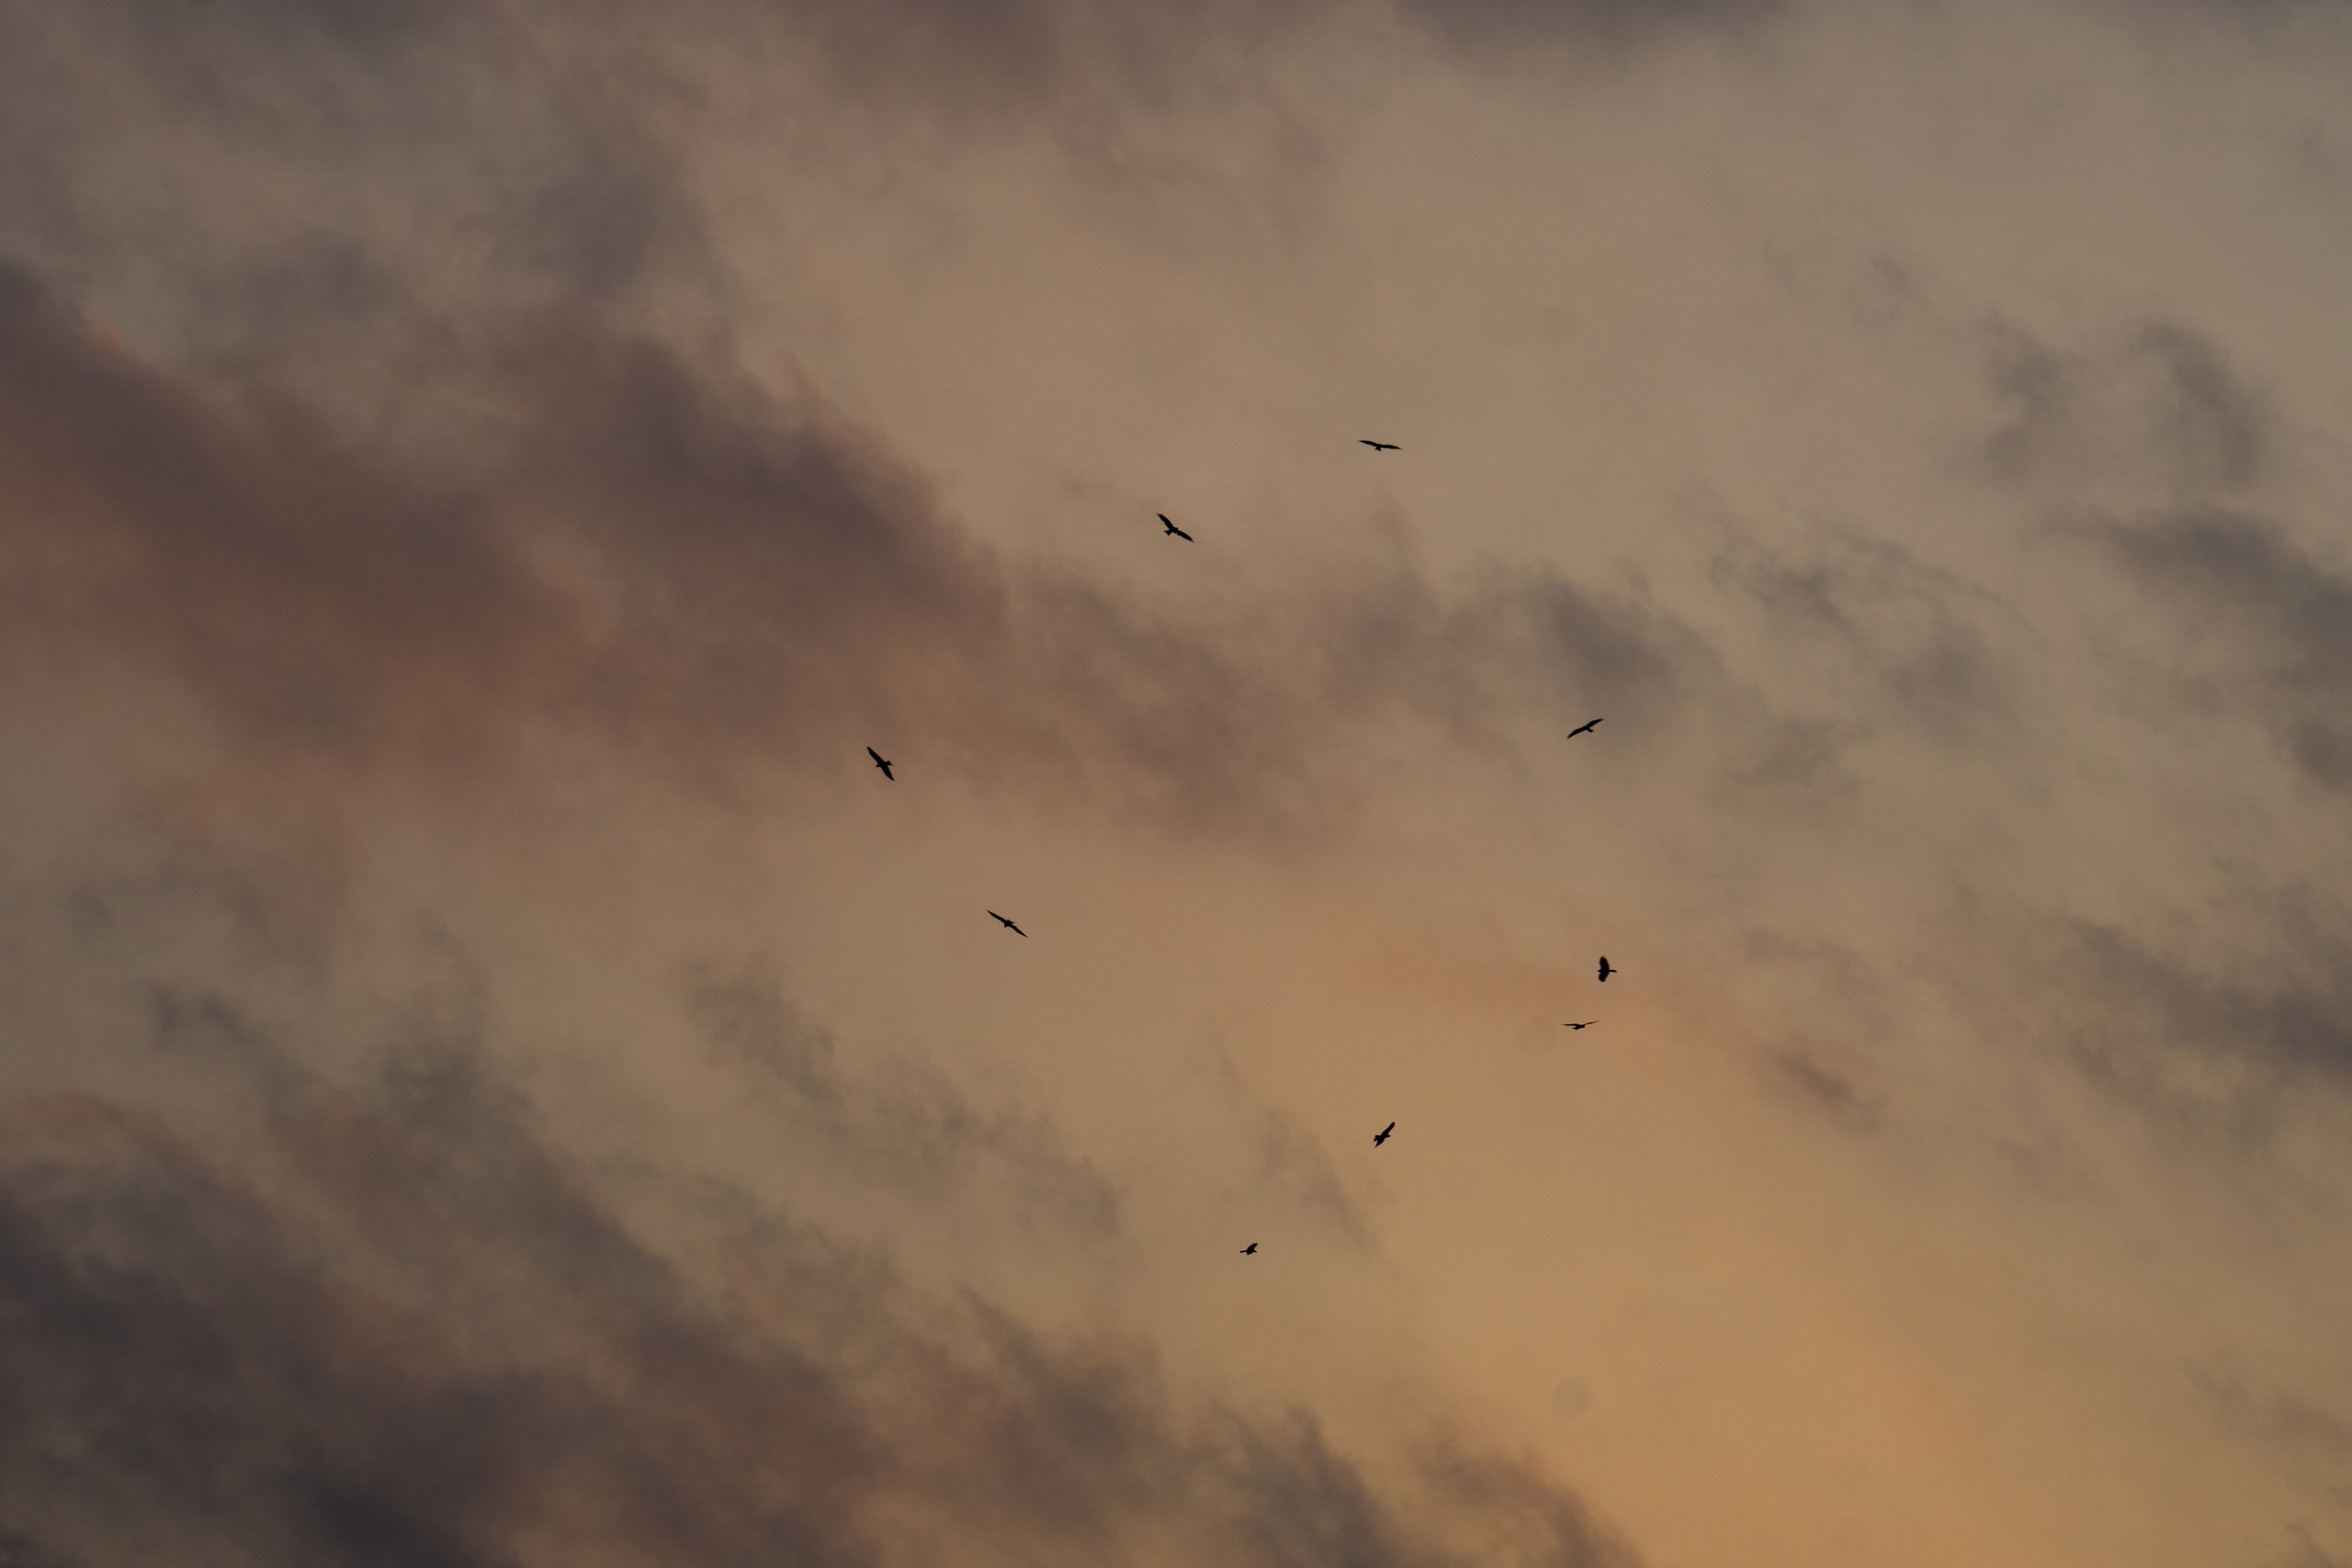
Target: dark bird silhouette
x=1382 y=1136
x=1587 y=1023
x=1381 y=445
x=1016 y=930
x=1173 y=529
x=1584 y=729
x=882 y=762
x=1249 y=1249
x=1605 y=972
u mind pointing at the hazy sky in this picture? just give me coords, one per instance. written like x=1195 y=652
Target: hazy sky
x=493 y=1077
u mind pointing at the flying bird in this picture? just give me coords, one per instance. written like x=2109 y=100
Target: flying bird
x=1584 y=729
x=1171 y=528
x=1382 y=1136
x=1587 y=1023
x=1605 y=972
x=1016 y=930
x=882 y=762
x=1249 y=1250
x=1381 y=445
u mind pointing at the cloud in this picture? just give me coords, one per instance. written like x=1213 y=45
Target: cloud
x=903 y=1124
x=1016 y=57
x=2308 y=1553
x=1825 y=1089
x=395 y=1321
x=661 y=555
x=2159 y=407
x=2267 y=626
x=2306 y=1431
x=1484 y=24
x=1899 y=641
x=2218 y=1033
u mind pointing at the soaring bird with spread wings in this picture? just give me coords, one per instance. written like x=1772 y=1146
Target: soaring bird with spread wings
x=882 y=762
x=1607 y=969
x=1171 y=528
x=1584 y=729
x=1587 y=1023
x=1381 y=445
x=1008 y=925
x=1382 y=1136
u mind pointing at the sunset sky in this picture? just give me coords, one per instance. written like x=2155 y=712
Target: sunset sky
x=491 y=1077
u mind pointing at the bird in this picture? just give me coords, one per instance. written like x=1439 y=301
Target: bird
x=882 y=762
x=1605 y=972
x=1380 y=445
x=1171 y=528
x=1008 y=925
x=1587 y=1023
x=1584 y=729
x=1382 y=1136
x=1249 y=1250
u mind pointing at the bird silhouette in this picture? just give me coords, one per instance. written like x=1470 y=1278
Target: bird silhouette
x=1587 y=1023
x=1008 y=925
x=1249 y=1250
x=1382 y=1136
x=1381 y=445
x=1605 y=972
x=882 y=762
x=1171 y=528
x=1584 y=729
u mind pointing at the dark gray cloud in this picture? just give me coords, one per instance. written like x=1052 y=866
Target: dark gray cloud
x=2267 y=21
x=545 y=135
x=330 y=395
x=2307 y=1553
x=1486 y=24
x=1022 y=57
x=2300 y=1439
x=2310 y=1433
x=2259 y=626
x=1897 y=641
x=2216 y=425
x=1825 y=1089
x=262 y=187
x=902 y=1123
x=2160 y=406
x=1295 y=1166
x=626 y=542
x=392 y=1321
x=2218 y=1044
